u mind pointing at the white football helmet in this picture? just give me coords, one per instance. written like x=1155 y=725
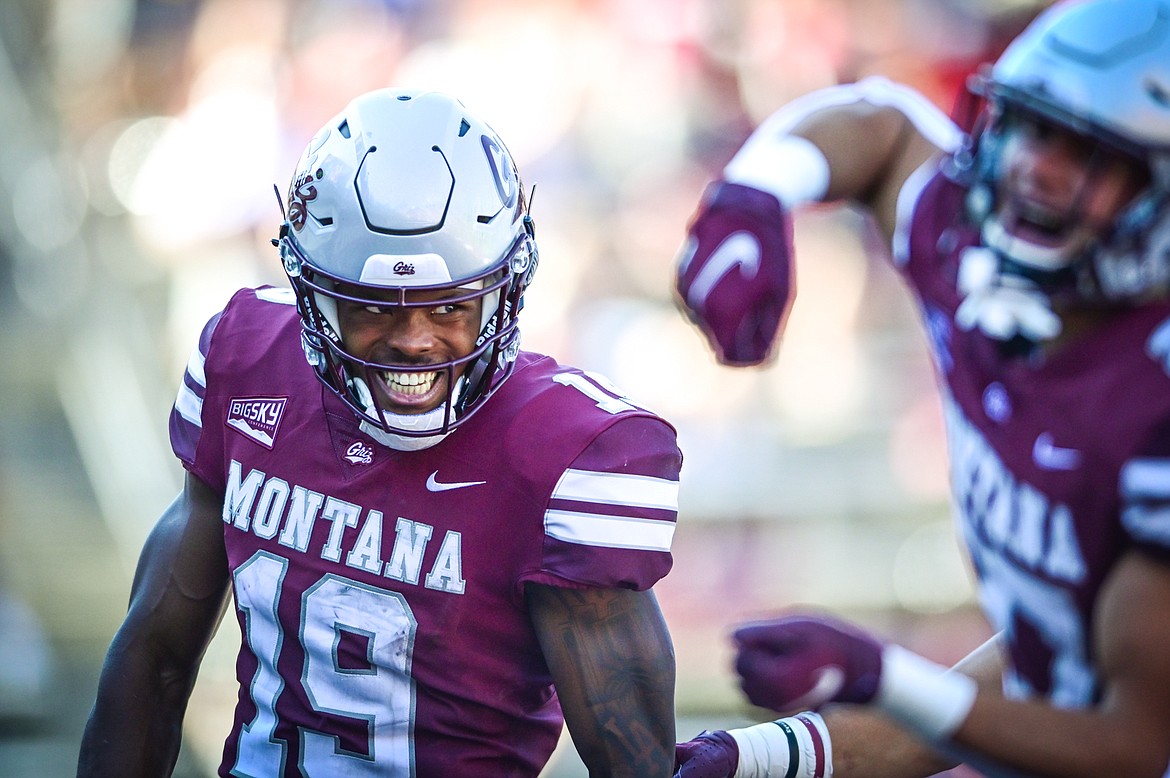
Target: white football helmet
x=1100 y=69
x=408 y=191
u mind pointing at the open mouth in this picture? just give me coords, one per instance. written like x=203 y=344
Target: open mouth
x=411 y=392
x=1038 y=224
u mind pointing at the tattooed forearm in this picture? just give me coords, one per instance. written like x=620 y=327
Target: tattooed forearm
x=613 y=663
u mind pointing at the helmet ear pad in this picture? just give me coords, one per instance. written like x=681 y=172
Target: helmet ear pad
x=500 y=308
x=408 y=192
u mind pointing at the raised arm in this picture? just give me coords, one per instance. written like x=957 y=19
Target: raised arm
x=870 y=137
x=857 y=143
x=177 y=599
x=612 y=662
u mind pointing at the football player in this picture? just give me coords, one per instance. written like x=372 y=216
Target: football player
x=440 y=548
x=1038 y=250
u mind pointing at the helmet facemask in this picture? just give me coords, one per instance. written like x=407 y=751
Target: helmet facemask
x=470 y=379
x=1066 y=252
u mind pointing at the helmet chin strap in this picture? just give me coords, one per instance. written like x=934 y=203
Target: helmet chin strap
x=423 y=422
x=404 y=442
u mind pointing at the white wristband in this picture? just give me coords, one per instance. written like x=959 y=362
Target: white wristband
x=929 y=698
x=794 y=747
x=790 y=167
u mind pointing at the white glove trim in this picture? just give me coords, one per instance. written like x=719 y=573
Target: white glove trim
x=792 y=168
x=929 y=698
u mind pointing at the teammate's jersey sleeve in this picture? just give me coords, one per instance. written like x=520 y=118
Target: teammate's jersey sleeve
x=1145 y=495
x=610 y=518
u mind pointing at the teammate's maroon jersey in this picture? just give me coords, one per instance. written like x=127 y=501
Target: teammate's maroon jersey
x=1059 y=463
x=380 y=593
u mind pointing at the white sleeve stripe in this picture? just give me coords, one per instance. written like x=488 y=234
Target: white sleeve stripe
x=639 y=491
x=1146 y=479
x=591 y=529
x=189 y=405
x=195 y=367
x=1148 y=524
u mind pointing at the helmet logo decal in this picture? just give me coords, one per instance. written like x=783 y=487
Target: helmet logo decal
x=403 y=269
x=504 y=174
x=256 y=417
x=303 y=192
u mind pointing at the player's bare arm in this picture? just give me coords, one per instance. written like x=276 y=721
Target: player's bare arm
x=870 y=174
x=613 y=666
x=1125 y=734
x=867 y=744
x=807 y=152
x=1122 y=733
x=901 y=131
x=179 y=594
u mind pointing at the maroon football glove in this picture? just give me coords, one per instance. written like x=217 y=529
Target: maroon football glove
x=805 y=662
x=712 y=754
x=734 y=276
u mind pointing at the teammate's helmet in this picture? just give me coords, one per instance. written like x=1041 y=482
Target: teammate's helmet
x=1100 y=69
x=406 y=191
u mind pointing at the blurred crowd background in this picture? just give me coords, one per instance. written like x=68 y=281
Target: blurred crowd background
x=139 y=146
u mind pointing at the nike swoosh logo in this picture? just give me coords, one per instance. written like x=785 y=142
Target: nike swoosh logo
x=739 y=249
x=1052 y=457
x=435 y=485
x=827 y=683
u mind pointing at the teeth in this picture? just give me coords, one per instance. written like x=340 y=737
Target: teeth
x=410 y=383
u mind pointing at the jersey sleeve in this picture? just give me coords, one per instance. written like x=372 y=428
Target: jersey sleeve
x=610 y=518
x=186 y=423
x=1145 y=495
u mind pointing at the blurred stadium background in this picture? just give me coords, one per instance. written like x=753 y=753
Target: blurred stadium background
x=141 y=142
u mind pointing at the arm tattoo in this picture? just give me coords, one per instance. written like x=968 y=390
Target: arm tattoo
x=623 y=666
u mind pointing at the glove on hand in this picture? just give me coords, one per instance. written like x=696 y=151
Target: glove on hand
x=805 y=662
x=734 y=274
x=711 y=754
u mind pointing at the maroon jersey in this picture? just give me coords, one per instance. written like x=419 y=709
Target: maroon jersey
x=1059 y=464
x=379 y=593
